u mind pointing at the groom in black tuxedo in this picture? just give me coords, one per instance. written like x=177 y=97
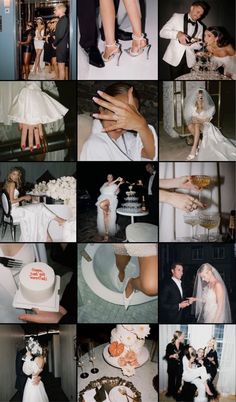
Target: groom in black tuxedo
x=172 y=297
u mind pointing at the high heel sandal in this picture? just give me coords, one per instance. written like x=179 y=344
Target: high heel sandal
x=116 y=52
x=140 y=48
x=190 y=157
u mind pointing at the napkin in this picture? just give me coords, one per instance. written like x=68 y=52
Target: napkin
x=89 y=396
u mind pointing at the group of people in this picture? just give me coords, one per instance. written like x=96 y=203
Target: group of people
x=110 y=32
x=209 y=301
x=191 y=372
x=50 y=44
x=107 y=202
x=187 y=37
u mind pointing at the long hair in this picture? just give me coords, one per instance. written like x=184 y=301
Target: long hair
x=223 y=37
x=176 y=335
x=18 y=182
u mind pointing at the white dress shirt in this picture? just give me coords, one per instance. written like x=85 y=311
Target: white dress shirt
x=179 y=284
x=150 y=183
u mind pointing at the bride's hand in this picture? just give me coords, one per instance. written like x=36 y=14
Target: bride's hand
x=125 y=116
x=30 y=134
x=191 y=300
x=36 y=380
x=47 y=317
x=185 y=182
x=183 y=201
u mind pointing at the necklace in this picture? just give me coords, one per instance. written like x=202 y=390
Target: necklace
x=121 y=150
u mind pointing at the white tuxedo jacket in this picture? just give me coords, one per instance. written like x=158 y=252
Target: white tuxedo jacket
x=175 y=50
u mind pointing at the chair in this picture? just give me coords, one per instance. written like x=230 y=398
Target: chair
x=7 y=218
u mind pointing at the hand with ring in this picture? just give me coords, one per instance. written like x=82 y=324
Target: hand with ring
x=184 y=201
x=32 y=134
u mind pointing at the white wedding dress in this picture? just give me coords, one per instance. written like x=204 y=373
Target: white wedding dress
x=108 y=192
x=214 y=146
x=229 y=64
x=34 y=220
x=197 y=376
x=31 y=102
x=33 y=392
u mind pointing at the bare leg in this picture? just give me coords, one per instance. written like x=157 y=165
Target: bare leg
x=147 y=281
x=55 y=66
x=104 y=205
x=134 y=14
x=61 y=68
x=121 y=263
x=37 y=60
x=196 y=138
x=107 y=12
x=27 y=58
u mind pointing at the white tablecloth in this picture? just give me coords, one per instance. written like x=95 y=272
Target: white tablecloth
x=142 y=379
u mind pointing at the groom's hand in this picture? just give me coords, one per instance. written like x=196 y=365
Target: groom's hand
x=182 y=38
x=36 y=380
x=183 y=304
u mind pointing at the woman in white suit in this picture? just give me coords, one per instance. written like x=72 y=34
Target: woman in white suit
x=185 y=33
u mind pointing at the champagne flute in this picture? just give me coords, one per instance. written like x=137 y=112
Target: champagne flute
x=209 y=220
x=81 y=363
x=92 y=357
x=201 y=181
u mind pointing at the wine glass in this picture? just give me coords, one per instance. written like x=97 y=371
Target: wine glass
x=193 y=220
x=201 y=181
x=209 y=220
x=92 y=357
x=81 y=363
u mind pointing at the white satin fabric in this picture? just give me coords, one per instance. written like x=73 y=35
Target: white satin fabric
x=34 y=220
x=108 y=192
x=9 y=130
x=33 y=392
x=197 y=376
x=100 y=147
x=214 y=146
x=229 y=64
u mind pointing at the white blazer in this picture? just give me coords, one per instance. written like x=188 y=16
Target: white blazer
x=175 y=50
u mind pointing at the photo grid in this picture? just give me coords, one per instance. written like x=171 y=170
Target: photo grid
x=117 y=201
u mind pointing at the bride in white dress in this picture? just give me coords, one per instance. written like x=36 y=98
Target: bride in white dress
x=33 y=218
x=211 y=297
x=106 y=207
x=28 y=104
x=199 y=110
x=34 y=392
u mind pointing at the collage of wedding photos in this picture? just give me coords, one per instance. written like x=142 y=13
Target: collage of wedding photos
x=117 y=201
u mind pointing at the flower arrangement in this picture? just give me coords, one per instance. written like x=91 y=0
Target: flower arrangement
x=34 y=347
x=40 y=188
x=64 y=189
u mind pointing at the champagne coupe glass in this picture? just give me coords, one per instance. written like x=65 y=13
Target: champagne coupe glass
x=209 y=220
x=193 y=220
x=92 y=357
x=81 y=363
x=201 y=181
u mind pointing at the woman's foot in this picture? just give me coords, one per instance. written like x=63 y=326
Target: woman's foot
x=128 y=293
x=138 y=44
x=121 y=276
x=111 y=51
x=190 y=157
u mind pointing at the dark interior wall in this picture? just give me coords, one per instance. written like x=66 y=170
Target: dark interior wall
x=147 y=91
x=221 y=13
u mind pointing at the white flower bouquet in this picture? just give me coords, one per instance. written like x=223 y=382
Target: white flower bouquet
x=64 y=189
x=40 y=188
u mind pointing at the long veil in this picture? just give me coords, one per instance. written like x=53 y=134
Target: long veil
x=199 y=291
x=190 y=102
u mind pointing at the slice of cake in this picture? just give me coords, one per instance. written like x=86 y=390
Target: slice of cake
x=37 y=282
x=127 y=343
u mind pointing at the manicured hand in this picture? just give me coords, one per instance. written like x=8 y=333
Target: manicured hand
x=185 y=202
x=184 y=182
x=41 y=317
x=125 y=116
x=32 y=134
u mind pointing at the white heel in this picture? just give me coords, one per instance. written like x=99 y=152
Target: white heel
x=117 y=52
x=127 y=300
x=141 y=49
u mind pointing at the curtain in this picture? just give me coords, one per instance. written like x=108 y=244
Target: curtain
x=165 y=335
x=227 y=374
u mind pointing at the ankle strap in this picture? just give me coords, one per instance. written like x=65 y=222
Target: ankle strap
x=113 y=44
x=139 y=38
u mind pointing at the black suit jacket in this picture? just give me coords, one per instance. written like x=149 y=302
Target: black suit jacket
x=21 y=377
x=170 y=297
x=62 y=34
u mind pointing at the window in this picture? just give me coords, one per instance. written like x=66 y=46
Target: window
x=184 y=329
x=219 y=335
x=218 y=253
x=197 y=253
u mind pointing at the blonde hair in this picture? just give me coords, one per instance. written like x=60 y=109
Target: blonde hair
x=60 y=6
x=18 y=181
x=214 y=345
x=206 y=267
x=176 y=335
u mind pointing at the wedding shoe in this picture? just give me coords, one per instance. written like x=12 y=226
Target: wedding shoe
x=190 y=157
x=127 y=300
x=117 y=52
x=140 y=48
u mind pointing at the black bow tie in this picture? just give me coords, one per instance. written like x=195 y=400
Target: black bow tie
x=192 y=22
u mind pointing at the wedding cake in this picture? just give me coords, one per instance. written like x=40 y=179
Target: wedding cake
x=126 y=348
x=37 y=282
x=131 y=203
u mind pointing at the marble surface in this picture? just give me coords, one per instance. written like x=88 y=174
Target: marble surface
x=142 y=379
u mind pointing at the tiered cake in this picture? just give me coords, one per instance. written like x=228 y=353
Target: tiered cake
x=37 y=282
x=131 y=203
x=127 y=349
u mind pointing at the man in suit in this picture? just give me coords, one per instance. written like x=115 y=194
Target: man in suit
x=172 y=298
x=61 y=42
x=185 y=32
x=152 y=193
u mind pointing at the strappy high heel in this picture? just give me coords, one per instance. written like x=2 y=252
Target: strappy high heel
x=116 y=52
x=190 y=157
x=141 y=49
